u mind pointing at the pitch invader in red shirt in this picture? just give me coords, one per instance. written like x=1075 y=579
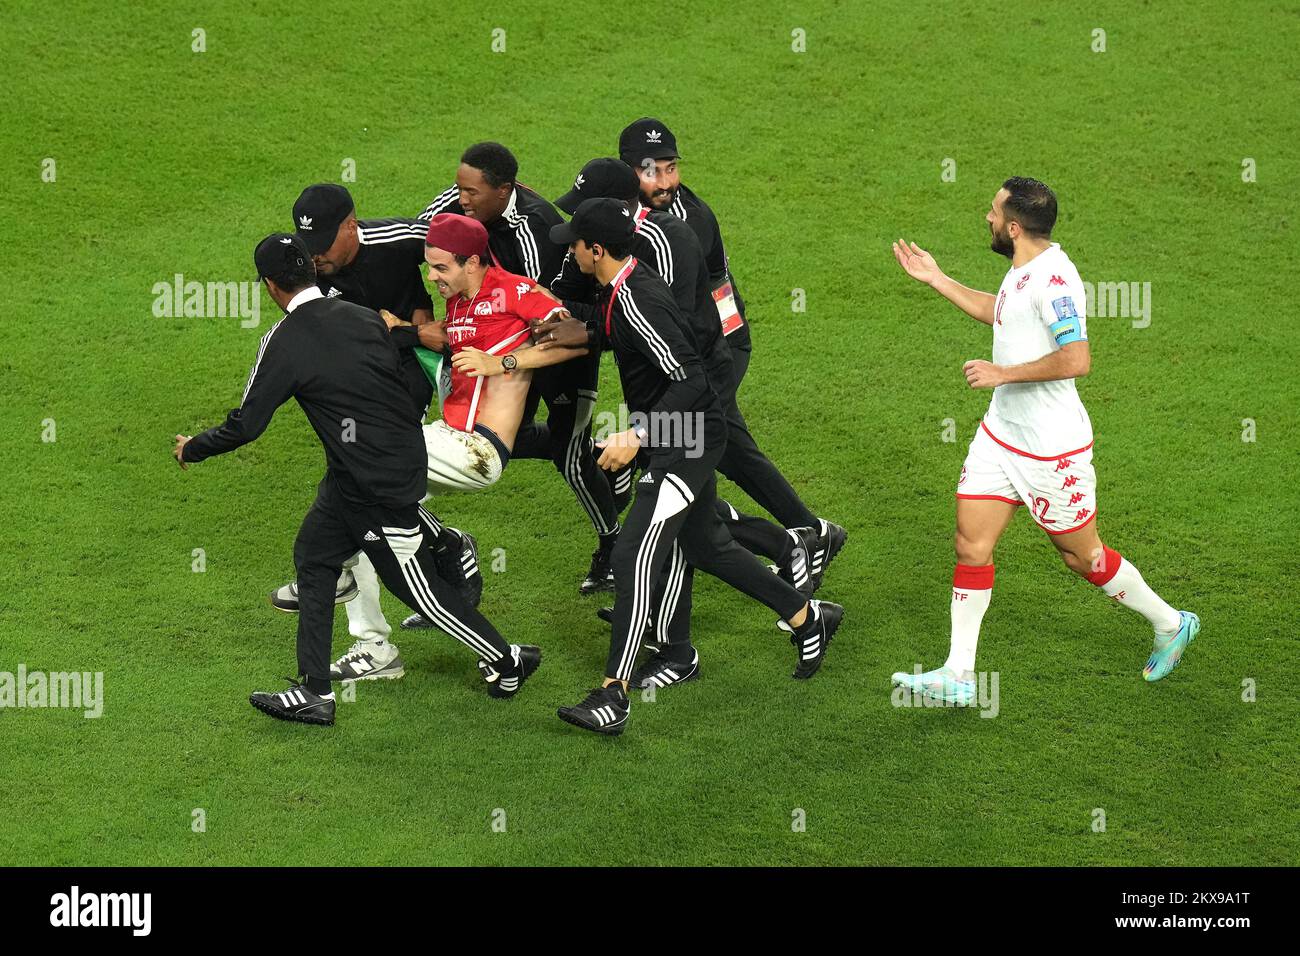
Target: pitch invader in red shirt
x=1034 y=446
x=488 y=310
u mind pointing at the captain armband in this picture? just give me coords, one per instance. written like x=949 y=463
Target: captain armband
x=1068 y=327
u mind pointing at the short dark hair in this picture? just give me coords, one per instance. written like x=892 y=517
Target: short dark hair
x=497 y=164
x=615 y=250
x=1031 y=204
x=293 y=277
x=484 y=261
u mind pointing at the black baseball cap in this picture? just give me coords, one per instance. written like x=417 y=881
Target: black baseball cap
x=279 y=255
x=605 y=177
x=606 y=221
x=647 y=138
x=318 y=213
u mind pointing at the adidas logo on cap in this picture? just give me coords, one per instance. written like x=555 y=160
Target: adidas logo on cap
x=305 y=222
x=652 y=136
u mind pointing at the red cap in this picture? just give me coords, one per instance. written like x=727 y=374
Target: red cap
x=459 y=235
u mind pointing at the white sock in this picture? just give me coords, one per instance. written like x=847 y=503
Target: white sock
x=1128 y=588
x=972 y=590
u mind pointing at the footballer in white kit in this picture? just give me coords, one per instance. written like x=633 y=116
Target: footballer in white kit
x=1034 y=445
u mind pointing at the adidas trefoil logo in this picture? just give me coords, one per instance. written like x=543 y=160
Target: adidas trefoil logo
x=305 y=222
x=577 y=183
x=653 y=136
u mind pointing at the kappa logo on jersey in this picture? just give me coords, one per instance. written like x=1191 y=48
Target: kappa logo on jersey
x=963 y=475
x=1064 y=463
x=305 y=222
x=522 y=288
x=1076 y=498
x=1055 y=280
x=997 y=314
x=653 y=136
x=1070 y=481
x=483 y=308
x=1023 y=279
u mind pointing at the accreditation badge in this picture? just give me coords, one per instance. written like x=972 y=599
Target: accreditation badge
x=725 y=299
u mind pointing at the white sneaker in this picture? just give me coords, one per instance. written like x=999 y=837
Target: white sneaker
x=367 y=660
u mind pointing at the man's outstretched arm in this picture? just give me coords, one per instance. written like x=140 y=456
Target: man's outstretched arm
x=920 y=265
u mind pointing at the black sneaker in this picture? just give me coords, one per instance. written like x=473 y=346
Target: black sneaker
x=601 y=575
x=297 y=704
x=459 y=568
x=830 y=538
x=659 y=671
x=604 y=711
x=797 y=570
x=285 y=597
x=812 y=640
x=621 y=483
x=416 y=621
x=503 y=687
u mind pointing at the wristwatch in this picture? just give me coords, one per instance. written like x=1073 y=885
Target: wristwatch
x=508 y=362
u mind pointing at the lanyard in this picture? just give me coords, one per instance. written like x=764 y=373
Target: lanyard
x=613 y=291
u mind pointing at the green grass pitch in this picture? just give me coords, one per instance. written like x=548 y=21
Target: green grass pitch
x=167 y=160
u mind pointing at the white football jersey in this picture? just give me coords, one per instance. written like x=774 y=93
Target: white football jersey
x=1041 y=419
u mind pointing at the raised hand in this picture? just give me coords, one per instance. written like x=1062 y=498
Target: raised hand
x=916 y=262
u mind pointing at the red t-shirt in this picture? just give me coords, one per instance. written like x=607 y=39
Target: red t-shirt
x=494 y=320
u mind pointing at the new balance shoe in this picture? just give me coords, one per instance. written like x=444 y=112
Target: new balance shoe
x=296 y=704
x=601 y=576
x=659 y=671
x=814 y=636
x=503 y=686
x=459 y=568
x=830 y=539
x=942 y=684
x=604 y=710
x=1168 y=651
x=285 y=597
x=367 y=660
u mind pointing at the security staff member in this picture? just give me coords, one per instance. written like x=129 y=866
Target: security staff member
x=338 y=361
x=649 y=147
x=673 y=517
x=518 y=222
x=666 y=244
x=377 y=263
